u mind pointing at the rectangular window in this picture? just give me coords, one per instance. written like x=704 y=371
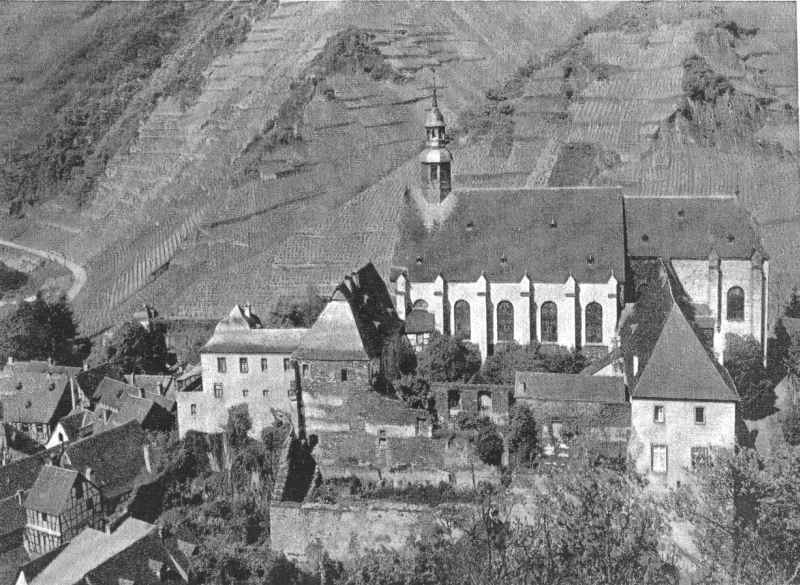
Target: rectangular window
x=700 y=457
x=244 y=366
x=287 y=364
x=264 y=365
x=218 y=390
x=305 y=370
x=343 y=375
x=658 y=413
x=222 y=365
x=421 y=426
x=44 y=517
x=381 y=439
x=245 y=392
x=658 y=458
x=193 y=409
x=265 y=393
x=699 y=415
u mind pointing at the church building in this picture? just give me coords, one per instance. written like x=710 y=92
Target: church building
x=557 y=265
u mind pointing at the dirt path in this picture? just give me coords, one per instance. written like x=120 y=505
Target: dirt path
x=78 y=272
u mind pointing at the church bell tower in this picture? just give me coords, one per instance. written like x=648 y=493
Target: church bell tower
x=435 y=158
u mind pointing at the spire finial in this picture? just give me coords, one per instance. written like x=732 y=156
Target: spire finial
x=435 y=101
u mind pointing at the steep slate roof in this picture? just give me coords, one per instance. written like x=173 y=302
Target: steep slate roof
x=115 y=457
x=12 y=516
x=487 y=225
x=689 y=227
x=356 y=322
x=40 y=563
x=88 y=550
x=254 y=341
x=51 y=491
x=76 y=422
x=33 y=398
x=113 y=393
x=37 y=367
x=20 y=475
x=150 y=382
x=673 y=362
x=569 y=387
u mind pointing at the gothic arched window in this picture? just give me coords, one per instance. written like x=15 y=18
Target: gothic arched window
x=462 y=320
x=735 y=304
x=549 y=321
x=421 y=304
x=505 y=321
x=594 y=323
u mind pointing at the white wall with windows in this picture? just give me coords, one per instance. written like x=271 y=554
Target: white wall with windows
x=669 y=435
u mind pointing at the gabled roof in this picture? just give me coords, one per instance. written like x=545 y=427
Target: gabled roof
x=113 y=393
x=115 y=457
x=239 y=318
x=51 y=491
x=21 y=474
x=90 y=549
x=152 y=383
x=673 y=363
x=689 y=227
x=355 y=323
x=33 y=397
x=254 y=341
x=569 y=387
x=77 y=423
x=507 y=233
x=12 y=515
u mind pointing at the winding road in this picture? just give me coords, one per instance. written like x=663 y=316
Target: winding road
x=78 y=272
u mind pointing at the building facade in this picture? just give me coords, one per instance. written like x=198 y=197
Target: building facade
x=242 y=363
x=61 y=504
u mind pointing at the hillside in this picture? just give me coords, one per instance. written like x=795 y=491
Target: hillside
x=263 y=148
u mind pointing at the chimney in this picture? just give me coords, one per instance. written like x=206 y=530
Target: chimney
x=246 y=310
x=160 y=389
x=85 y=365
x=146 y=452
x=88 y=473
x=142 y=393
x=50 y=362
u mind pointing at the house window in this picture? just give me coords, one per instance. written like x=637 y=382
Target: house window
x=453 y=400
x=658 y=414
x=421 y=424
x=218 y=390
x=287 y=364
x=658 y=458
x=484 y=401
x=305 y=370
x=264 y=364
x=557 y=427
x=343 y=375
x=461 y=317
x=735 y=304
x=222 y=365
x=434 y=172
x=699 y=415
x=505 y=321
x=265 y=393
x=594 y=323
x=700 y=457
x=549 y=322
x=245 y=392
x=421 y=304
x=44 y=517
x=193 y=409
x=381 y=439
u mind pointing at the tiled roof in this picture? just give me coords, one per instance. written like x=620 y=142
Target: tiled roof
x=673 y=362
x=138 y=563
x=239 y=318
x=51 y=491
x=150 y=382
x=33 y=397
x=355 y=323
x=569 y=387
x=19 y=444
x=12 y=515
x=20 y=475
x=40 y=563
x=113 y=393
x=88 y=550
x=77 y=423
x=255 y=341
x=506 y=233
x=419 y=321
x=115 y=457
x=37 y=367
x=689 y=227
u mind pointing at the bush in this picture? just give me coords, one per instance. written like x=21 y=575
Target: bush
x=10 y=279
x=790 y=424
x=445 y=359
x=489 y=443
x=522 y=437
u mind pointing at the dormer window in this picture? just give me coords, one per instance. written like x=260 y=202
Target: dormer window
x=681 y=213
x=590 y=259
x=553 y=222
x=645 y=238
x=470 y=226
x=503 y=260
x=419 y=260
x=731 y=238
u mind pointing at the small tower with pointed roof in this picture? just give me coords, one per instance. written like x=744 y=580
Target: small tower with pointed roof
x=435 y=158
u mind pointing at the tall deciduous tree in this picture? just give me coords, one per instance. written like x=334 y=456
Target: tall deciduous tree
x=522 y=440
x=755 y=383
x=40 y=330
x=136 y=349
x=446 y=359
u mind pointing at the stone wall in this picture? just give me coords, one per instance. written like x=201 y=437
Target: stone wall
x=471 y=395
x=346 y=530
x=612 y=420
x=316 y=374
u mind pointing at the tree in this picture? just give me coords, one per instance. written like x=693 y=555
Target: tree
x=415 y=392
x=446 y=359
x=755 y=383
x=40 y=330
x=500 y=367
x=139 y=350
x=489 y=443
x=522 y=439
x=790 y=424
x=745 y=509
x=238 y=426
x=297 y=312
